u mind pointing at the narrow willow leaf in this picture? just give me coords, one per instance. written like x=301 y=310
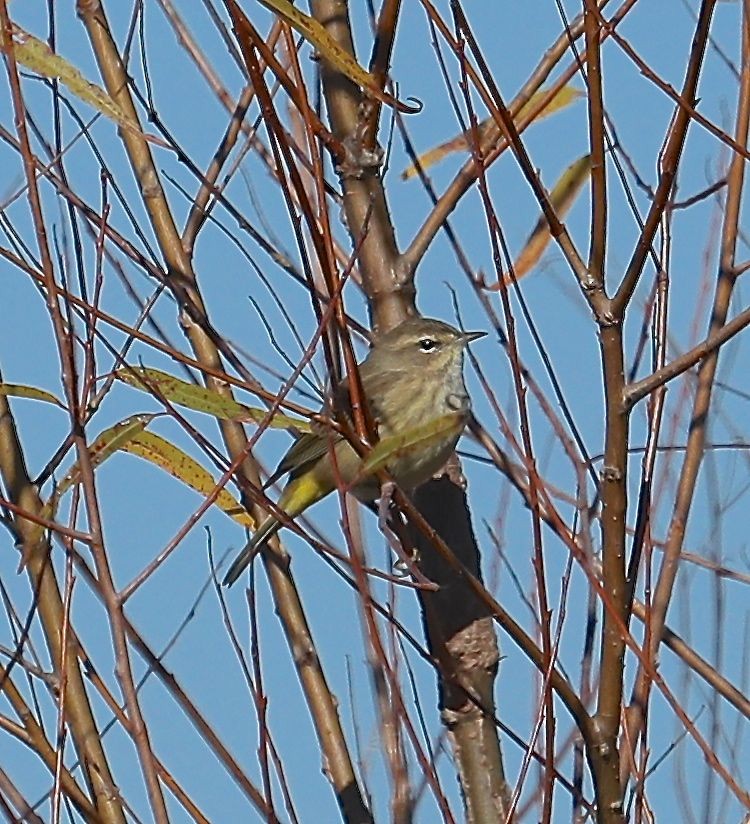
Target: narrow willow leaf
x=418 y=437
x=564 y=97
x=562 y=197
x=179 y=464
x=181 y=392
x=17 y=390
x=201 y=399
x=104 y=446
x=328 y=48
x=37 y=56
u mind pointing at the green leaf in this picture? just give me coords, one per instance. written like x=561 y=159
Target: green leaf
x=17 y=390
x=180 y=465
x=416 y=438
x=201 y=399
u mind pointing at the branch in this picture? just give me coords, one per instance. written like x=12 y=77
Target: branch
x=183 y=282
x=670 y=162
x=638 y=390
x=460 y=634
x=390 y=291
x=494 y=144
x=719 y=331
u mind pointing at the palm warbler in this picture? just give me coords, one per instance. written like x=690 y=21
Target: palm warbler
x=412 y=376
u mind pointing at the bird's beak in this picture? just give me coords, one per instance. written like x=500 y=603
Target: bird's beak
x=468 y=337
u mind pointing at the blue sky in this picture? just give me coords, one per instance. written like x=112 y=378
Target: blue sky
x=143 y=509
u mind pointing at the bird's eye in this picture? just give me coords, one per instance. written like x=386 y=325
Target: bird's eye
x=428 y=344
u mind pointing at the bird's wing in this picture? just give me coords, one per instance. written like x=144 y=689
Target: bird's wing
x=311 y=446
x=307 y=449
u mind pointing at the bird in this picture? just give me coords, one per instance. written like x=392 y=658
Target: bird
x=412 y=376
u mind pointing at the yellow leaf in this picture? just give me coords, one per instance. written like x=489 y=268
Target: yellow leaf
x=36 y=55
x=17 y=390
x=564 y=97
x=417 y=437
x=202 y=399
x=562 y=198
x=105 y=445
x=179 y=464
x=329 y=49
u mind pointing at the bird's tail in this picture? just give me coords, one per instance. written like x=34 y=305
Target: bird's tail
x=266 y=530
